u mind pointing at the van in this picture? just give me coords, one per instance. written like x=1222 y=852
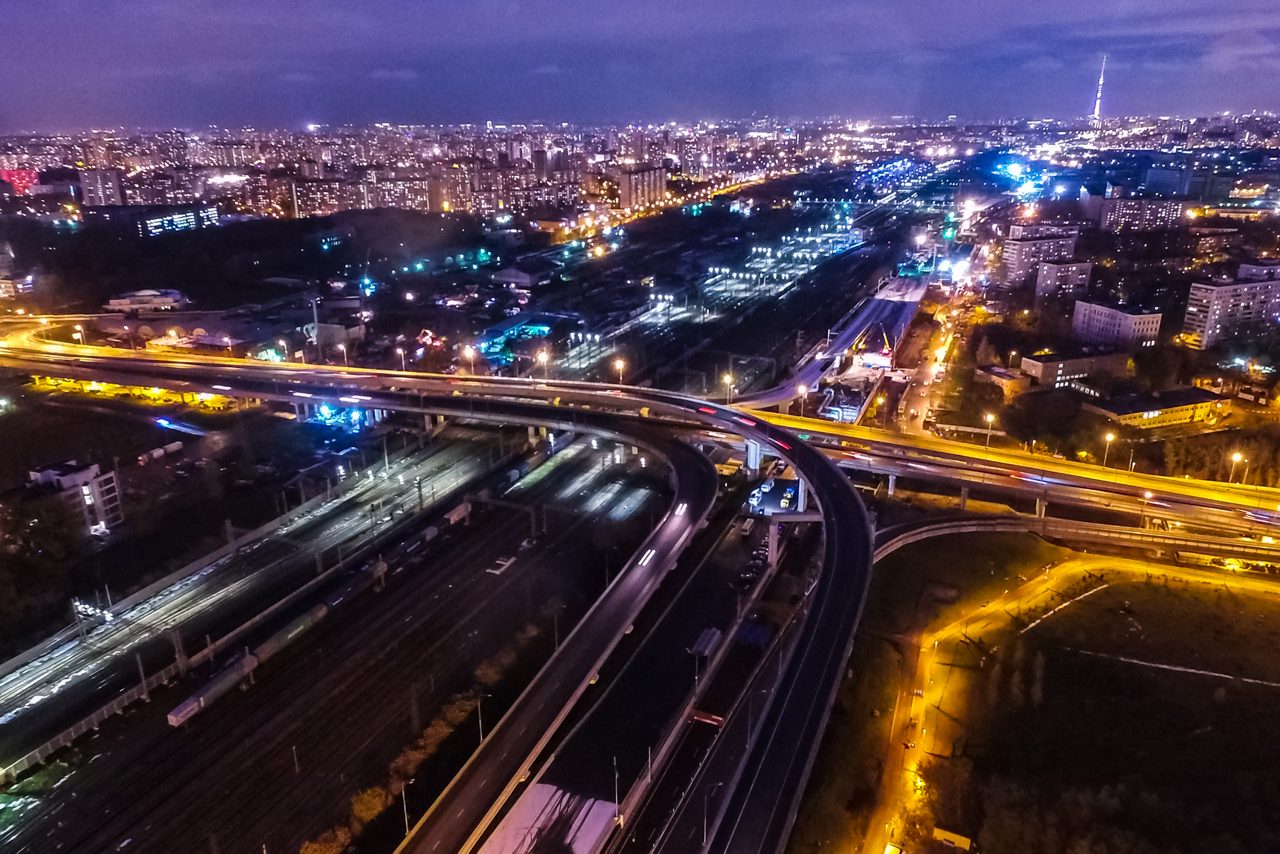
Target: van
x=747 y=525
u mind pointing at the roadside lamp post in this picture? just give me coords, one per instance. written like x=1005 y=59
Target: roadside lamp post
x=227 y=340
x=480 y=713
x=284 y=349
x=619 y=365
x=990 y=419
x=544 y=359
x=802 y=390
x=728 y=386
x=404 y=365
x=469 y=353
x=345 y=362
x=1235 y=460
x=1142 y=519
x=1106 y=450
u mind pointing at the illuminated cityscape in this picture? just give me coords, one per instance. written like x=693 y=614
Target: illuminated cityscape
x=529 y=428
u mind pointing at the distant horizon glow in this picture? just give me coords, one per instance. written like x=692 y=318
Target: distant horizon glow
x=155 y=64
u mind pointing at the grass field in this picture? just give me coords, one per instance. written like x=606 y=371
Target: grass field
x=904 y=599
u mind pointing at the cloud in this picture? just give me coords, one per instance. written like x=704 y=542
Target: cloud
x=397 y=75
x=1250 y=53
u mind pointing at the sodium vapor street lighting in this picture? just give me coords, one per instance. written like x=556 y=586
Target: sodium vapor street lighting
x=345 y=362
x=990 y=419
x=802 y=390
x=1235 y=460
x=619 y=365
x=728 y=384
x=469 y=353
x=1109 y=438
x=544 y=359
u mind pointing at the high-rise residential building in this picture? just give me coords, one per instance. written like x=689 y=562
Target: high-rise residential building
x=1222 y=309
x=1142 y=214
x=641 y=185
x=1122 y=327
x=1062 y=278
x=1259 y=271
x=102 y=187
x=1021 y=255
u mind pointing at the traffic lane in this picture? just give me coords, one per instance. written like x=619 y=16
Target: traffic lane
x=683 y=815
x=491 y=773
x=435 y=595
x=689 y=408
x=759 y=812
x=927 y=448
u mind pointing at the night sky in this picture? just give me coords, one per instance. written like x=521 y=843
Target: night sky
x=71 y=64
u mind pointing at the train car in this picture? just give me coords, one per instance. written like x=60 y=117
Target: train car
x=290 y=633
x=226 y=679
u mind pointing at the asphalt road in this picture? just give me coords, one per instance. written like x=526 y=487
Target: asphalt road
x=493 y=771
x=777 y=774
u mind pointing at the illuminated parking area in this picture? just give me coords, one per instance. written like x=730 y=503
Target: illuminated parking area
x=145 y=395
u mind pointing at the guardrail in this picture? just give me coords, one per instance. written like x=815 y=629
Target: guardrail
x=1087 y=531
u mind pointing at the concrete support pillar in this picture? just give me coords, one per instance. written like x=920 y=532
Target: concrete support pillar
x=772 y=539
x=754 y=456
x=964 y=497
x=893 y=482
x=802 y=495
x=533 y=433
x=1041 y=506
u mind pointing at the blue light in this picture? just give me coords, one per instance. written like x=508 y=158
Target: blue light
x=418 y=266
x=326 y=411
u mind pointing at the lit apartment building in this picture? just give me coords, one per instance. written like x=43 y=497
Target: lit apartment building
x=1141 y=214
x=1222 y=309
x=1122 y=327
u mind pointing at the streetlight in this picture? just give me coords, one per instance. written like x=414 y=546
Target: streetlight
x=345 y=362
x=469 y=353
x=480 y=713
x=1109 y=438
x=1142 y=518
x=127 y=336
x=544 y=359
x=802 y=390
x=284 y=349
x=728 y=385
x=619 y=365
x=990 y=419
x=1235 y=459
x=403 y=364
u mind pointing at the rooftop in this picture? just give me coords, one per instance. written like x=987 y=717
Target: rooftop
x=1130 y=404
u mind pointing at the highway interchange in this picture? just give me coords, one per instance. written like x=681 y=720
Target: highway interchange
x=756 y=812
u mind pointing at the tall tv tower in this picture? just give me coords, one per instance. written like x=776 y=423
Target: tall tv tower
x=1097 y=101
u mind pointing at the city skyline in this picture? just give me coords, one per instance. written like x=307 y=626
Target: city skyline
x=507 y=62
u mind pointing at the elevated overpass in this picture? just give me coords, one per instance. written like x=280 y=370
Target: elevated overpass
x=458 y=819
